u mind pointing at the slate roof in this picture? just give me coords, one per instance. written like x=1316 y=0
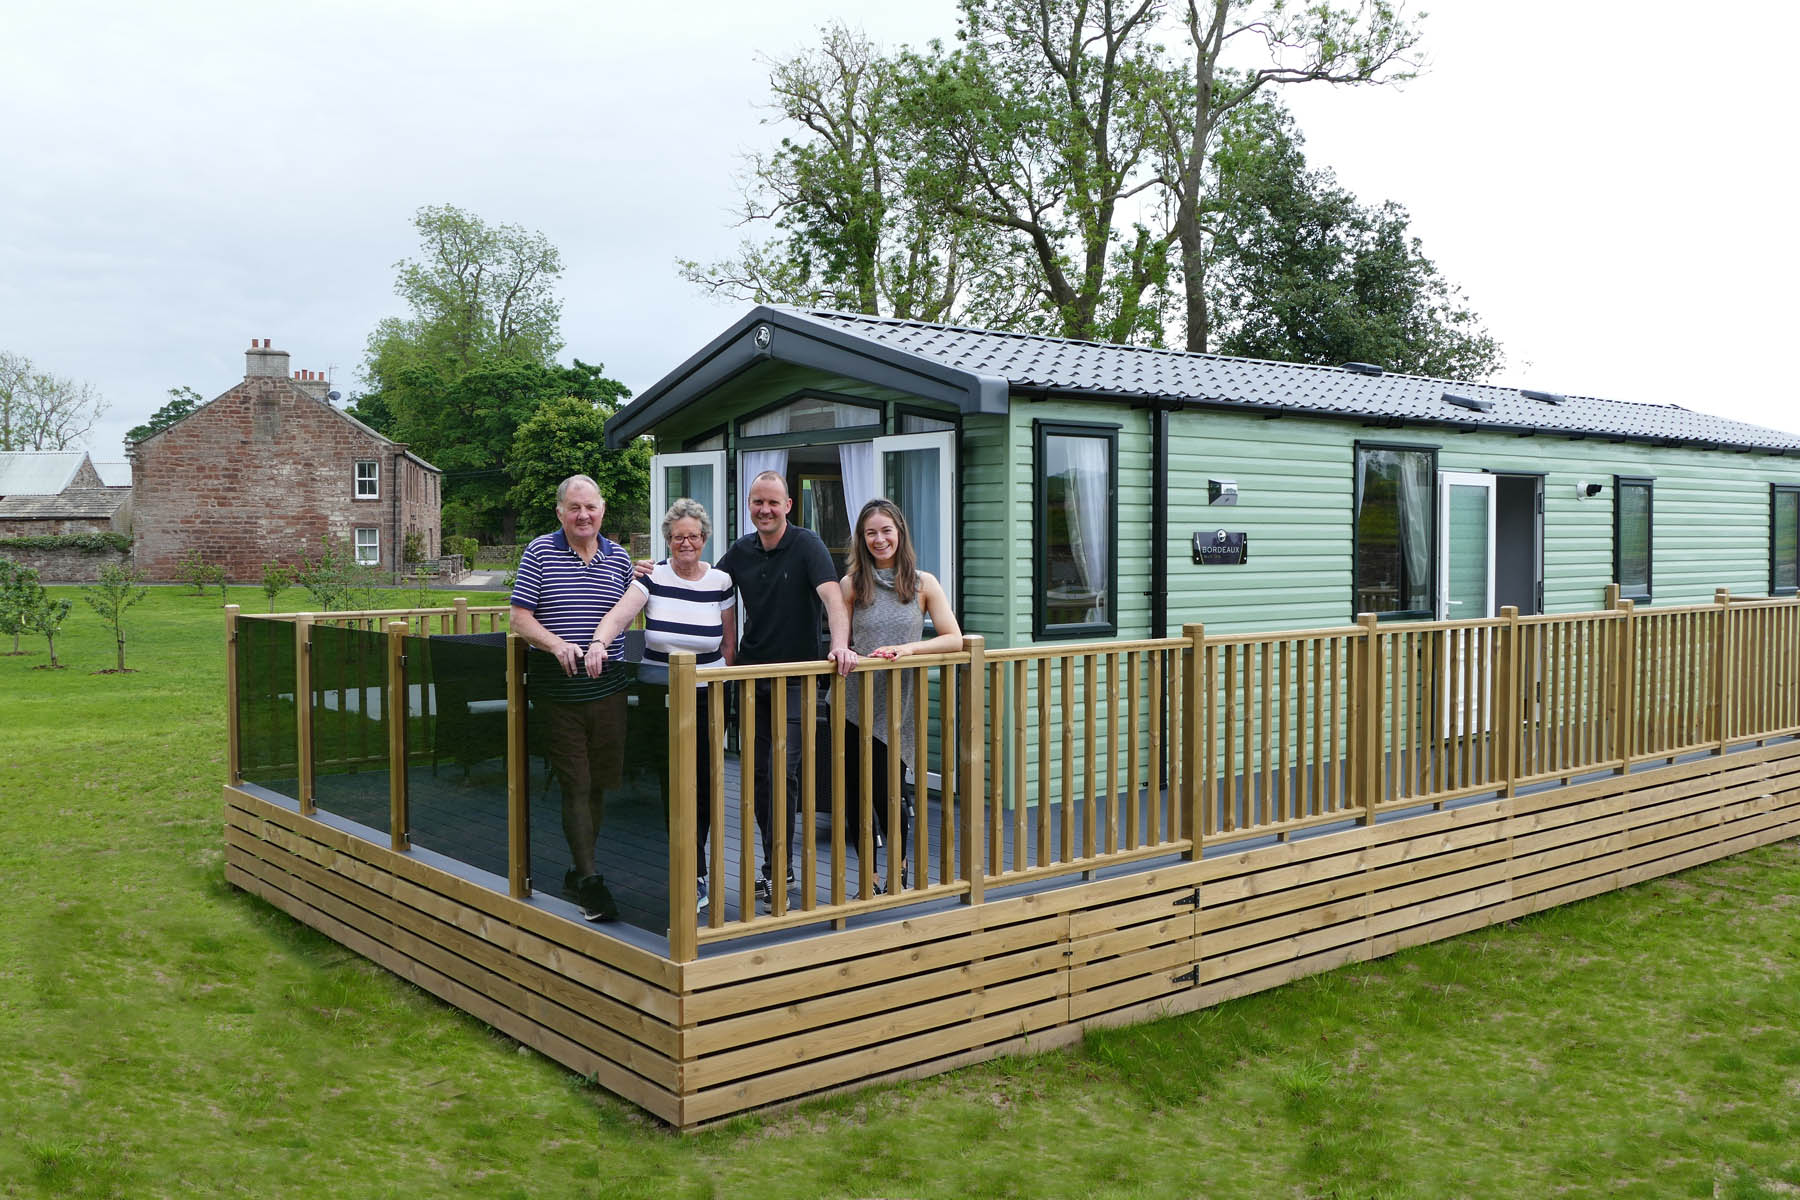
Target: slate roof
x=75 y=503
x=38 y=472
x=1030 y=362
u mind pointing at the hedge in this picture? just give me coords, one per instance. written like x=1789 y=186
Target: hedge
x=87 y=543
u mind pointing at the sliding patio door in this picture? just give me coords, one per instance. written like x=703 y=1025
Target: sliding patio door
x=699 y=476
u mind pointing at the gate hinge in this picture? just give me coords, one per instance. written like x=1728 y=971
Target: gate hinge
x=1192 y=901
x=1192 y=977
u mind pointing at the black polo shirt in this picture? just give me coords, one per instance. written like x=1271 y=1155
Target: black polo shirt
x=779 y=591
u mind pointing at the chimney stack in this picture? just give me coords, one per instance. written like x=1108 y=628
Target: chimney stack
x=260 y=362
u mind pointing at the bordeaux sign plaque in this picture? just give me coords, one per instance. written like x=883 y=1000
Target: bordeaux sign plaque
x=1221 y=549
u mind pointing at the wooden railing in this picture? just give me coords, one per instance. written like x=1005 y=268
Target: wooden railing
x=1045 y=761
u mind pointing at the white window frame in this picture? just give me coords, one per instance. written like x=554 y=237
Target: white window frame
x=374 y=479
x=374 y=545
x=945 y=444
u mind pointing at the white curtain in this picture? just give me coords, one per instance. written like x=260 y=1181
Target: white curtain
x=919 y=498
x=856 y=462
x=1415 y=527
x=1085 y=499
x=751 y=464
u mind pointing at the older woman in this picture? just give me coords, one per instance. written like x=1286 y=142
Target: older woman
x=687 y=605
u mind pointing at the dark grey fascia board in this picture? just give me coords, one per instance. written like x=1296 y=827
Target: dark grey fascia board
x=796 y=339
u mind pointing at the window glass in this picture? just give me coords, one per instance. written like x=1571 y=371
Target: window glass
x=914 y=423
x=808 y=413
x=1784 y=550
x=1631 y=545
x=1393 y=530
x=368 y=479
x=368 y=546
x=1076 y=528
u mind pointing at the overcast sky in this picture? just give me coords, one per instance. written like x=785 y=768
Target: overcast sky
x=1610 y=184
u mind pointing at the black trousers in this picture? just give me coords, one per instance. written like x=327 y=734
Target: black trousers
x=762 y=785
x=878 y=763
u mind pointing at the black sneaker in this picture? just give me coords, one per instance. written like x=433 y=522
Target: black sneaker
x=595 y=902
x=700 y=895
x=571 y=889
x=762 y=889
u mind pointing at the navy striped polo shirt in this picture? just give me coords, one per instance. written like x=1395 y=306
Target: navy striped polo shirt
x=570 y=598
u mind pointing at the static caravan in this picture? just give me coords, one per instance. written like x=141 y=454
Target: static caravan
x=1269 y=669
x=1076 y=490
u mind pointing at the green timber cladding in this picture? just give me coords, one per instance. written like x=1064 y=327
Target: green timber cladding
x=1286 y=434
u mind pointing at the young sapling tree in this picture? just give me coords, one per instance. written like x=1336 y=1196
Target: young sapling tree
x=118 y=589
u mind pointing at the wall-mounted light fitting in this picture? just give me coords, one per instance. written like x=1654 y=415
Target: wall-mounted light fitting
x=1587 y=491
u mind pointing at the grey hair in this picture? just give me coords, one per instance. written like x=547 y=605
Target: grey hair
x=562 y=489
x=683 y=510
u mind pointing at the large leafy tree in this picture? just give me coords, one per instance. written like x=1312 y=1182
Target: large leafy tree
x=1080 y=160
x=567 y=437
x=851 y=193
x=1300 y=271
x=1278 y=43
x=473 y=361
x=182 y=401
x=40 y=410
x=476 y=292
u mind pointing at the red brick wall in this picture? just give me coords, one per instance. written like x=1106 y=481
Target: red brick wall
x=262 y=473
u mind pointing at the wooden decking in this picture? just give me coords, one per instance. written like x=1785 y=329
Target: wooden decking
x=794 y=1015
x=1124 y=830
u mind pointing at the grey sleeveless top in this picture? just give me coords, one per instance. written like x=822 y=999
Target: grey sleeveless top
x=885 y=621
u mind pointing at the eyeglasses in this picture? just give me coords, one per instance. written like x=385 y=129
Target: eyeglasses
x=687 y=539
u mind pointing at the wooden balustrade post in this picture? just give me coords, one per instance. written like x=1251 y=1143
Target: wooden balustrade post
x=1365 y=748
x=1625 y=702
x=1193 y=661
x=303 y=711
x=1721 y=649
x=684 y=823
x=233 y=764
x=1506 y=686
x=1612 y=596
x=399 y=821
x=518 y=773
x=972 y=766
x=460 y=621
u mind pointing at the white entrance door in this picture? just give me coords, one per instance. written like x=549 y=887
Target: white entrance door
x=1465 y=546
x=699 y=476
x=1466 y=593
x=919 y=473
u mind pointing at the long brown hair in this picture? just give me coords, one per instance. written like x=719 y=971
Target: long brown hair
x=862 y=563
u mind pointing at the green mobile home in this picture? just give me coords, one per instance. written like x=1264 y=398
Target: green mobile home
x=1074 y=490
x=1169 y=768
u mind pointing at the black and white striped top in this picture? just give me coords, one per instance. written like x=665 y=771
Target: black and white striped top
x=685 y=614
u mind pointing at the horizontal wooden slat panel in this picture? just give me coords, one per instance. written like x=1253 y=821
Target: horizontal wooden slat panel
x=652 y=968
x=577 y=1058
x=771 y=1025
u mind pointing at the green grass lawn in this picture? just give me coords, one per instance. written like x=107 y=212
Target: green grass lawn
x=164 y=1035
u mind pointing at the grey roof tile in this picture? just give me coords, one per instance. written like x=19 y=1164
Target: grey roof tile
x=1031 y=362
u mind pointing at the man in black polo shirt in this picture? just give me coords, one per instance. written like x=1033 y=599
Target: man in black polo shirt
x=783 y=575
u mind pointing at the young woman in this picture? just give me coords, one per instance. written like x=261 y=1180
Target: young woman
x=889 y=599
x=687 y=605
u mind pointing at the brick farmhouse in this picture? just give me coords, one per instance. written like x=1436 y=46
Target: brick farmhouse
x=265 y=470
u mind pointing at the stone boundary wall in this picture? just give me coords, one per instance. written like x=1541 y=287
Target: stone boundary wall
x=68 y=565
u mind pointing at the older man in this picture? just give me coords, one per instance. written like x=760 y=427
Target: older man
x=567 y=582
x=784 y=577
